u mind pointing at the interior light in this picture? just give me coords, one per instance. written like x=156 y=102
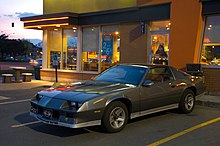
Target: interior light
x=210 y=25
x=57 y=25
x=169 y=23
x=38 y=27
x=155 y=37
x=55 y=29
x=209 y=28
x=74 y=28
x=116 y=32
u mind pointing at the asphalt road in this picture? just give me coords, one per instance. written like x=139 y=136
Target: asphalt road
x=19 y=129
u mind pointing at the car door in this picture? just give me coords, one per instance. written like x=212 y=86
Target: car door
x=162 y=92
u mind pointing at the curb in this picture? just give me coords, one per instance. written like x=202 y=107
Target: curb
x=208 y=103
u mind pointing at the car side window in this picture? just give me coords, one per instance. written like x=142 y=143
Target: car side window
x=159 y=74
x=167 y=75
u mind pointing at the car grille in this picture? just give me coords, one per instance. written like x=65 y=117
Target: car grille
x=51 y=114
x=55 y=114
x=46 y=112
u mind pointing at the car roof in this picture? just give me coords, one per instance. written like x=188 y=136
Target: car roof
x=144 y=65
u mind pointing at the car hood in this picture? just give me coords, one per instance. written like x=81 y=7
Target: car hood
x=83 y=91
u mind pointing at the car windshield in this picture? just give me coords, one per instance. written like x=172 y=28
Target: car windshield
x=123 y=74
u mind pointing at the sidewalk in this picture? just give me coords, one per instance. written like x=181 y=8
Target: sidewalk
x=25 y=85
x=208 y=100
x=204 y=99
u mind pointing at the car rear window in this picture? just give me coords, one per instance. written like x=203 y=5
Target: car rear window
x=179 y=74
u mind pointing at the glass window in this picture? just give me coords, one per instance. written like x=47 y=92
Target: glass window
x=90 y=50
x=123 y=74
x=160 y=74
x=159 y=36
x=210 y=54
x=70 y=48
x=54 y=47
x=110 y=46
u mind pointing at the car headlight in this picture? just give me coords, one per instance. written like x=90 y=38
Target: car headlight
x=74 y=104
x=37 y=97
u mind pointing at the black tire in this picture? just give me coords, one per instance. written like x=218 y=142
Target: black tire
x=115 y=117
x=187 y=102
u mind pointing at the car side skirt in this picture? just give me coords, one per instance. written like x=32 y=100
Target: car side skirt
x=79 y=125
x=154 y=110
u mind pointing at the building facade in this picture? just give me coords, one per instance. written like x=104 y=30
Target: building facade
x=85 y=37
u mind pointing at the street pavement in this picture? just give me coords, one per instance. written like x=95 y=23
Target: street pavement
x=210 y=100
x=201 y=127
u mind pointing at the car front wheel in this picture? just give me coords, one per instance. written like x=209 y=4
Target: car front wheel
x=187 y=102
x=115 y=117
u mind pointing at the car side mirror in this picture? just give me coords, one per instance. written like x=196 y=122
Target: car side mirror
x=147 y=83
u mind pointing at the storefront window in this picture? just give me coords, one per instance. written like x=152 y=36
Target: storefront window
x=90 y=50
x=210 y=54
x=159 y=36
x=70 y=48
x=54 y=48
x=110 y=46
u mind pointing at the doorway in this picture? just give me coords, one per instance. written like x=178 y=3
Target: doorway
x=159 y=42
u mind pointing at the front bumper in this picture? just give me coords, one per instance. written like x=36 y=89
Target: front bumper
x=69 y=125
x=64 y=118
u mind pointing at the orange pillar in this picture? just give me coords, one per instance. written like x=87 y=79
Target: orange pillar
x=185 y=33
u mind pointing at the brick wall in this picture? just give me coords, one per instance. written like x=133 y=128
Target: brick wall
x=212 y=79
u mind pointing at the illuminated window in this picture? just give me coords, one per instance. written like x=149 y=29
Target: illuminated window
x=70 y=48
x=110 y=46
x=90 y=50
x=210 y=54
x=159 y=36
x=54 y=48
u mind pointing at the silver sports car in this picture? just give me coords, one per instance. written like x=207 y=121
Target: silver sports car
x=120 y=93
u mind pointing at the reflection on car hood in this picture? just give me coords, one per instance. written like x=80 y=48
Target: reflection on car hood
x=83 y=91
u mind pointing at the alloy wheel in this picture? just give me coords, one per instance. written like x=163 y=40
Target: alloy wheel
x=189 y=101
x=117 y=117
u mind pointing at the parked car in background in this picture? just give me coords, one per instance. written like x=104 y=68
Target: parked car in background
x=26 y=59
x=9 y=58
x=118 y=94
x=37 y=62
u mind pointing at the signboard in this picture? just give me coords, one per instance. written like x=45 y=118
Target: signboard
x=143 y=27
x=107 y=44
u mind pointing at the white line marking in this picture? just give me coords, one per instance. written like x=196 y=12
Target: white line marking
x=25 y=124
x=17 y=101
x=3 y=98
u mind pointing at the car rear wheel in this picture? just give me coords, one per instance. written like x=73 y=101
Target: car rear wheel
x=115 y=117
x=187 y=102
